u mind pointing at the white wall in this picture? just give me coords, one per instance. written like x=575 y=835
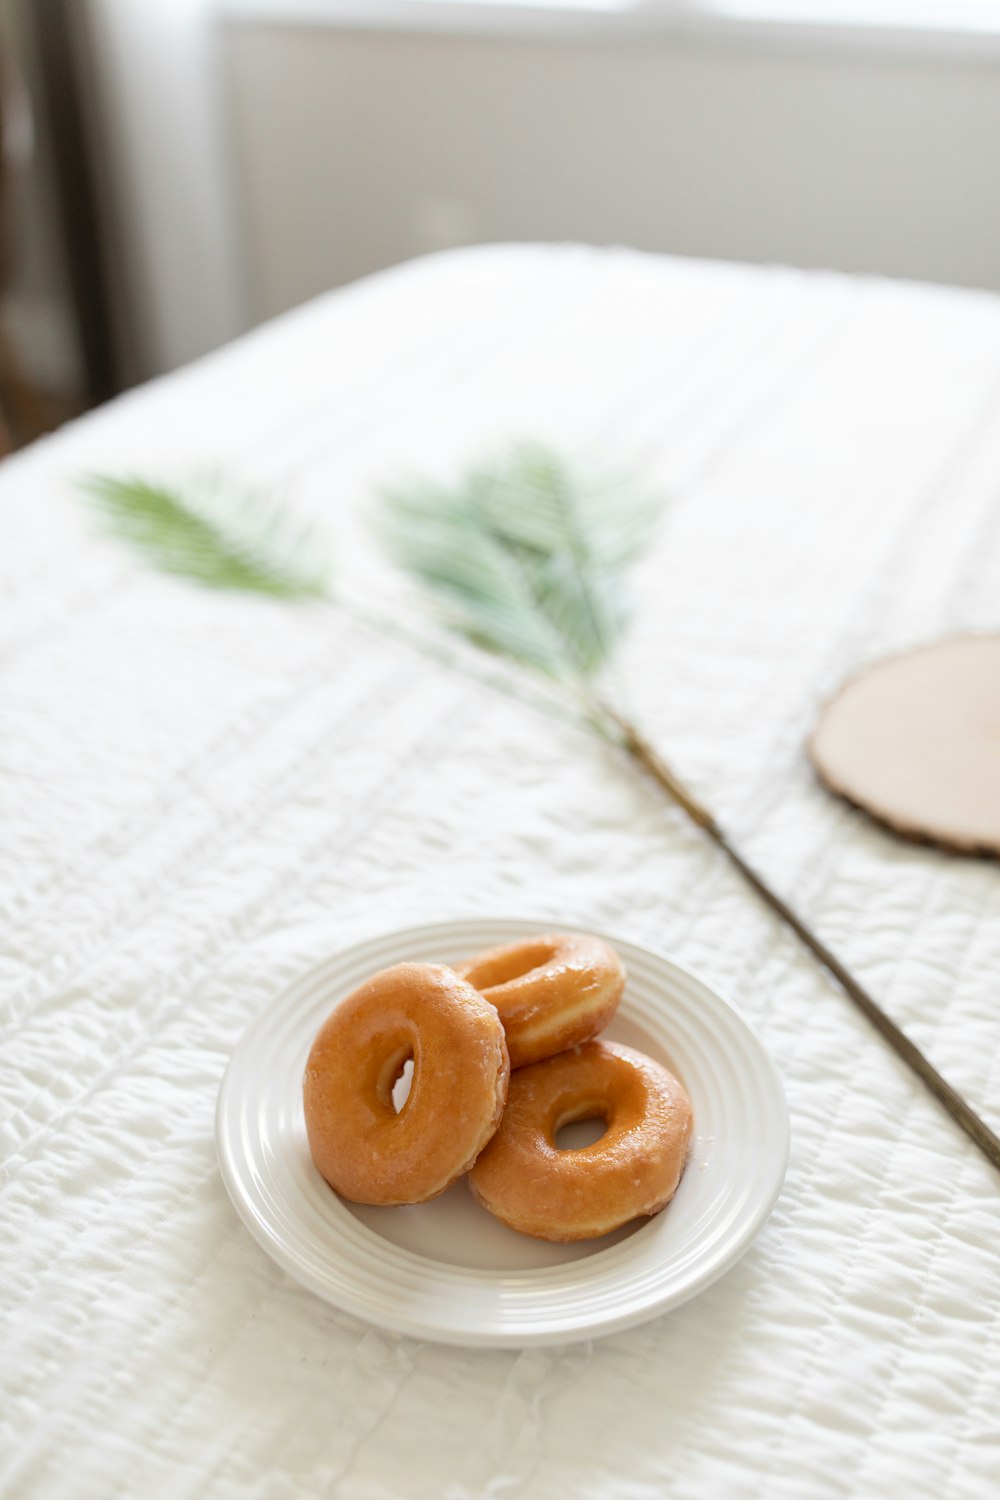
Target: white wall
x=355 y=150
x=170 y=179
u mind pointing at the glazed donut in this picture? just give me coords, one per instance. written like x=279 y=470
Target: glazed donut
x=529 y=1184
x=364 y=1149
x=552 y=992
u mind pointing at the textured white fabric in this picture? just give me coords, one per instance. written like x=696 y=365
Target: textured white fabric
x=203 y=794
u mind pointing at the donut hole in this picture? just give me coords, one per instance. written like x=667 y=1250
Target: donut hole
x=577 y=1128
x=506 y=967
x=400 y=1091
x=395 y=1078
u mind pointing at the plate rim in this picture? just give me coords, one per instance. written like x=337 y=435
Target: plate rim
x=397 y=1322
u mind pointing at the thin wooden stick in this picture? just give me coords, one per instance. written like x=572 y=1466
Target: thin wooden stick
x=642 y=751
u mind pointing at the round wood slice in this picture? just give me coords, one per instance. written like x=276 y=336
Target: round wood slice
x=915 y=742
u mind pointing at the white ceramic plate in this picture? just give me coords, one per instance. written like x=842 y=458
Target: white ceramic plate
x=447 y=1270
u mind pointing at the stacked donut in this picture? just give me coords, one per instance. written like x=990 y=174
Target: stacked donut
x=504 y=1056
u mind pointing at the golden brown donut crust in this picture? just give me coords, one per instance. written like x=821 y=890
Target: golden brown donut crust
x=552 y=992
x=364 y=1149
x=633 y=1170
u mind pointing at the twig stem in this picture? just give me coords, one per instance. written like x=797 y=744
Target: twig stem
x=961 y=1112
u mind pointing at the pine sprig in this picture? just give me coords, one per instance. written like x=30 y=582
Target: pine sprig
x=527 y=560
x=216 y=534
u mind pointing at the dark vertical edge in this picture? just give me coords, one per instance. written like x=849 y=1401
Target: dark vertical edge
x=55 y=37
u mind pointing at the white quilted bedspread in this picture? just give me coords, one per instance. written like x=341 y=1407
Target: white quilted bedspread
x=204 y=794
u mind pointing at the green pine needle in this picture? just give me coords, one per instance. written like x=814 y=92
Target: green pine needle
x=216 y=535
x=528 y=558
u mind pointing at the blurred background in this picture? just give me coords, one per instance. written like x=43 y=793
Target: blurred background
x=175 y=171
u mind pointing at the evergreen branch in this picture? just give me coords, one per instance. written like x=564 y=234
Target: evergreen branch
x=529 y=562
